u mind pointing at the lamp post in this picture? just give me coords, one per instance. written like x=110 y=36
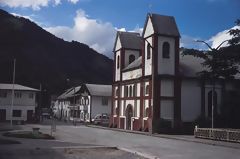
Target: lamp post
x=13 y=83
x=214 y=50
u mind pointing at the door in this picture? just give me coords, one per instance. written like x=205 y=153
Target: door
x=2 y=115
x=129 y=115
x=30 y=115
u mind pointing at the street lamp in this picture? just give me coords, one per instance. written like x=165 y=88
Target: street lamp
x=213 y=71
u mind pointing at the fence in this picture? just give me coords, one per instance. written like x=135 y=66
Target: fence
x=231 y=135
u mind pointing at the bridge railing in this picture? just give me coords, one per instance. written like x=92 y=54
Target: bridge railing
x=232 y=135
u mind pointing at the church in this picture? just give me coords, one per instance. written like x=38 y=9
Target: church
x=155 y=88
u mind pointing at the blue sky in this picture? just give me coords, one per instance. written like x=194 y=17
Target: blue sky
x=95 y=22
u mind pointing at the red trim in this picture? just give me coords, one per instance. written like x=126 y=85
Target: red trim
x=155 y=86
x=177 y=88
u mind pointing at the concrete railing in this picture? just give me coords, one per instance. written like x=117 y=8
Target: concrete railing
x=231 y=135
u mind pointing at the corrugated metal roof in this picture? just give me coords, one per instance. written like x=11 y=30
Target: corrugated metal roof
x=135 y=64
x=99 y=90
x=130 y=40
x=16 y=87
x=164 y=25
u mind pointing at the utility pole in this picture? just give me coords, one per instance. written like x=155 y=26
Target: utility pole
x=13 y=83
x=214 y=50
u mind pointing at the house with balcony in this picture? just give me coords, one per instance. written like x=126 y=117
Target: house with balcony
x=84 y=102
x=24 y=102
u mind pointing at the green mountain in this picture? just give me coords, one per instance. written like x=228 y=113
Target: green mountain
x=42 y=58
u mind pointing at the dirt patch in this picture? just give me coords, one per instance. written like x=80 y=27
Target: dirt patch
x=99 y=153
x=27 y=134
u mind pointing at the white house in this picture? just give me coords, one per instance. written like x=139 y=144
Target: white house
x=154 y=87
x=24 y=102
x=84 y=102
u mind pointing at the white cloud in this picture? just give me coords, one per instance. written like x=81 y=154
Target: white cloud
x=190 y=42
x=34 y=4
x=217 y=39
x=73 y=1
x=95 y=33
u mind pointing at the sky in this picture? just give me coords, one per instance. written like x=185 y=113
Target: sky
x=95 y=22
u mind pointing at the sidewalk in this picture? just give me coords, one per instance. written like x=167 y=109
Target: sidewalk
x=5 y=126
x=187 y=138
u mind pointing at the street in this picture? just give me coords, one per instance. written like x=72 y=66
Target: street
x=154 y=146
x=81 y=136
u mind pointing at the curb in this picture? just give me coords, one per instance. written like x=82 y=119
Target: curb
x=166 y=137
x=148 y=156
x=139 y=153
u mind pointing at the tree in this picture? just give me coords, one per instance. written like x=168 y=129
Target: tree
x=219 y=62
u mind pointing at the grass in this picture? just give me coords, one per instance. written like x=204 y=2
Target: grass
x=28 y=135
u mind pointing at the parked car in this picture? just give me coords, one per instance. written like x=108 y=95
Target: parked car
x=101 y=119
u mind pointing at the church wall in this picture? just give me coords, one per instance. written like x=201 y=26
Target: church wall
x=132 y=74
x=128 y=53
x=168 y=63
x=191 y=100
x=167 y=88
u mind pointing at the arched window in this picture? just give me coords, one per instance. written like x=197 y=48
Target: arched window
x=148 y=51
x=126 y=91
x=130 y=91
x=166 y=50
x=118 y=61
x=131 y=58
x=134 y=90
x=117 y=92
x=210 y=103
x=146 y=112
x=147 y=90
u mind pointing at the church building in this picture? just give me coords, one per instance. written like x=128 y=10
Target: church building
x=154 y=87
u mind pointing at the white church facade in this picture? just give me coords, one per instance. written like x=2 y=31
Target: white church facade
x=154 y=87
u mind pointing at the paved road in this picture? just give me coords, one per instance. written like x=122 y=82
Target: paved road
x=154 y=146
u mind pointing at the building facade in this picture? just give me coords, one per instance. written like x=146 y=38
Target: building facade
x=24 y=102
x=154 y=88
x=84 y=102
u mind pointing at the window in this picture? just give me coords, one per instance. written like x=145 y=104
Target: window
x=126 y=91
x=104 y=101
x=148 y=51
x=134 y=90
x=146 y=112
x=117 y=92
x=18 y=95
x=118 y=61
x=147 y=90
x=166 y=50
x=130 y=91
x=17 y=113
x=86 y=101
x=131 y=58
x=31 y=95
x=3 y=94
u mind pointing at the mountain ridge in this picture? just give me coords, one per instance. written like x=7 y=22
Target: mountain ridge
x=43 y=58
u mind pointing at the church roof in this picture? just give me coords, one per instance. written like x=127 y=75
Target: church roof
x=190 y=65
x=163 y=24
x=130 y=40
x=135 y=64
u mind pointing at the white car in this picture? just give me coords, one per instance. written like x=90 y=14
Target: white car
x=101 y=119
